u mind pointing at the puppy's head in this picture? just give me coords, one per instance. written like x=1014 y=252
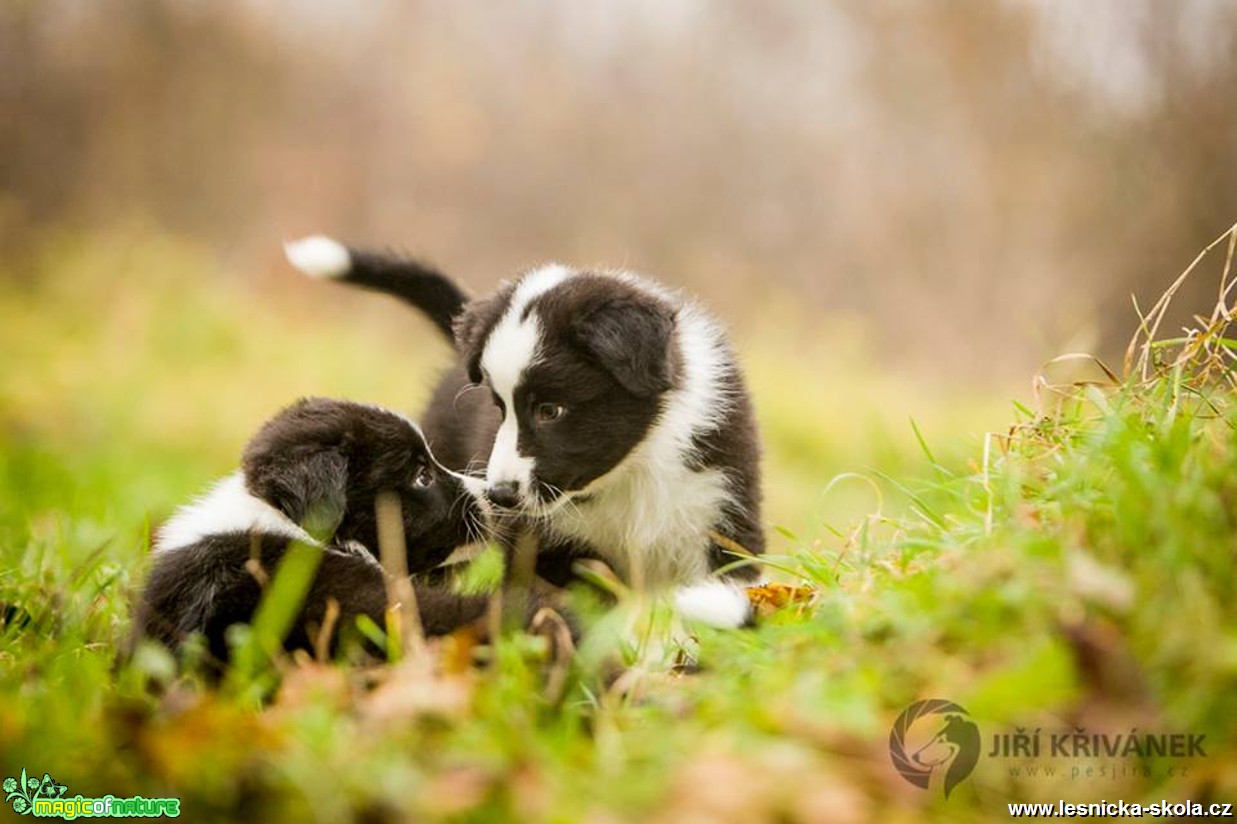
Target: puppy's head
x=578 y=364
x=324 y=462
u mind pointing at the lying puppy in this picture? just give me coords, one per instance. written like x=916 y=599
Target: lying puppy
x=616 y=424
x=312 y=474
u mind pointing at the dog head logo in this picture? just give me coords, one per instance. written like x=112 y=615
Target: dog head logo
x=946 y=755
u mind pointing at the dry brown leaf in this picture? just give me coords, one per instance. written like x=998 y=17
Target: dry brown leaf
x=457 y=650
x=415 y=689
x=767 y=599
x=212 y=730
x=313 y=683
x=456 y=791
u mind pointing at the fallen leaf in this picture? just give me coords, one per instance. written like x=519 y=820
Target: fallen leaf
x=767 y=599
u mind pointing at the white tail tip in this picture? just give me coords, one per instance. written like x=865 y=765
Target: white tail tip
x=319 y=256
x=714 y=603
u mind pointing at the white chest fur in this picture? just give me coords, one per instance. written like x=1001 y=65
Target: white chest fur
x=651 y=524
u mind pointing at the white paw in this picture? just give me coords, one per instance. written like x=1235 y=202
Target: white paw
x=714 y=603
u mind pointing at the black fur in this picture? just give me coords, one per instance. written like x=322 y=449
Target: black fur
x=206 y=588
x=440 y=298
x=322 y=463
x=336 y=456
x=627 y=334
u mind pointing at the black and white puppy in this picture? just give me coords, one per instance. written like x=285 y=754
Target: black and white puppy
x=617 y=423
x=312 y=474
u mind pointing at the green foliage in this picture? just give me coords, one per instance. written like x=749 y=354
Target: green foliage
x=484 y=573
x=276 y=614
x=1077 y=570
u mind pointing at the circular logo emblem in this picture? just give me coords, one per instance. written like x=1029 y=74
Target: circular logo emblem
x=934 y=742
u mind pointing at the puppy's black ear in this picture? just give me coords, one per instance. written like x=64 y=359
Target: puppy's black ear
x=473 y=327
x=298 y=464
x=631 y=338
x=311 y=490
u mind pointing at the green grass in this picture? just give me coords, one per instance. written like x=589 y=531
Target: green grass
x=1074 y=570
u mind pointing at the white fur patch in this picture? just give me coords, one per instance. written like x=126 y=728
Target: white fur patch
x=228 y=507
x=511 y=348
x=713 y=603
x=474 y=486
x=319 y=256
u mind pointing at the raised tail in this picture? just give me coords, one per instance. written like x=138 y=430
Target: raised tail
x=424 y=287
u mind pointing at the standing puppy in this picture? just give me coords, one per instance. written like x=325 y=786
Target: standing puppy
x=312 y=474
x=613 y=419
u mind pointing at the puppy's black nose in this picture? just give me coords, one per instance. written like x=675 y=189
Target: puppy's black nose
x=505 y=494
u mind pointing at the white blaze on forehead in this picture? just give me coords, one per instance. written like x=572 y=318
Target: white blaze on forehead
x=510 y=349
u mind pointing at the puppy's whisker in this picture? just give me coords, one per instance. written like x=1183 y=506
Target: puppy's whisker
x=460 y=500
x=473 y=523
x=560 y=501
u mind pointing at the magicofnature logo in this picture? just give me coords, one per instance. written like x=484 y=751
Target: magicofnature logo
x=45 y=798
x=23 y=791
x=934 y=743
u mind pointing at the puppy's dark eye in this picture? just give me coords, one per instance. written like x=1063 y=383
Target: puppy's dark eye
x=548 y=412
x=424 y=478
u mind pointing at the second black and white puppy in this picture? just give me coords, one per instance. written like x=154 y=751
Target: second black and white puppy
x=616 y=421
x=312 y=474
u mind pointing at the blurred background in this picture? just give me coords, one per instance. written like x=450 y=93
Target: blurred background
x=902 y=209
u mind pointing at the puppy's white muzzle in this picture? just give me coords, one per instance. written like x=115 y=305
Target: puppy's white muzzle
x=509 y=474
